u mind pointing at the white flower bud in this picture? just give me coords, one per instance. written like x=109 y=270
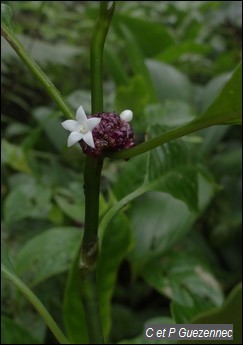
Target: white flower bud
x=126 y=115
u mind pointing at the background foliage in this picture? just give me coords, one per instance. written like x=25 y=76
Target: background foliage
x=174 y=252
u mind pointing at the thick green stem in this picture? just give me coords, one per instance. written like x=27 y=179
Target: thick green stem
x=92 y=173
x=37 y=71
x=89 y=250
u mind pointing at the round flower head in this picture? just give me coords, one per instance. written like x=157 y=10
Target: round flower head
x=101 y=133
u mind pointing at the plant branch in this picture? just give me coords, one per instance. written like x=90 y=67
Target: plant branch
x=176 y=133
x=37 y=71
x=50 y=322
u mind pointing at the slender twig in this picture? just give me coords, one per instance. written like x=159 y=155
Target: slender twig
x=37 y=71
x=50 y=322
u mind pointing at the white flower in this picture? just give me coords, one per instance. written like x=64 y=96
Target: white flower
x=126 y=115
x=81 y=129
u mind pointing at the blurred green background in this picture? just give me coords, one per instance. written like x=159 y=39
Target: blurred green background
x=173 y=252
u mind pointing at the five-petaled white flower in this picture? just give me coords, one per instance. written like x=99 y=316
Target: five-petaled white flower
x=81 y=129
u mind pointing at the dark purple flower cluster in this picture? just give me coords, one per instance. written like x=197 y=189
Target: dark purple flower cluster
x=111 y=134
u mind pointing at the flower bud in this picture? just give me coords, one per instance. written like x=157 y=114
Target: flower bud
x=126 y=115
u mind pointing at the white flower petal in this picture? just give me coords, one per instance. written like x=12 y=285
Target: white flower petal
x=70 y=125
x=93 y=122
x=81 y=116
x=126 y=115
x=88 y=138
x=74 y=137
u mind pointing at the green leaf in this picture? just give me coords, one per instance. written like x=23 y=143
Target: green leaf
x=187 y=280
x=227 y=107
x=172 y=170
x=71 y=201
x=169 y=168
x=174 y=52
x=229 y=313
x=47 y=254
x=116 y=242
x=131 y=174
x=12 y=333
x=147 y=33
x=73 y=312
x=115 y=67
x=136 y=60
x=172 y=113
x=6 y=15
x=169 y=82
x=34 y=200
x=133 y=96
x=155 y=227
x=50 y=121
x=15 y=157
x=211 y=90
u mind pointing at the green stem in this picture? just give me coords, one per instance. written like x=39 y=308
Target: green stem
x=119 y=206
x=92 y=173
x=96 y=53
x=164 y=138
x=37 y=304
x=37 y=71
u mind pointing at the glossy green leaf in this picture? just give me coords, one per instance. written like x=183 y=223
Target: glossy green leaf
x=73 y=312
x=12 y=333
x=229 y=313
x=227 y=107
x=6 y=15
x=116 y=242
x=47 y=254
